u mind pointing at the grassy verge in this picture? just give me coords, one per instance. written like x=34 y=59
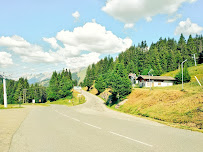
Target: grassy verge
x=14 y=106
x=10 y=106
x=168 y=105
x=76 y=100
x=172 y=107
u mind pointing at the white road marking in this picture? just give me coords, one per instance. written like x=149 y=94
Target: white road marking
x=131 y=139
x=91 y=125
x=67 y=116
x=75 y=119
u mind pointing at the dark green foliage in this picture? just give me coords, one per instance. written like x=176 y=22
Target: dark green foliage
x=200 y=60
x=186 y=76
x=15 y=91
x=75 y=82
x=131 y=67
x=100 y=84
x=163 y=56
x=145 y=71
x=60 y=85
x=88 y=81
x=120 y=83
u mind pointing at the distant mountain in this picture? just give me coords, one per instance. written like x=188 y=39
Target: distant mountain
x=35 y=78
x=81 y=74
x=43 y=78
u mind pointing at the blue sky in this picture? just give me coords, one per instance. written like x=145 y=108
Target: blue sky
x=40 y=36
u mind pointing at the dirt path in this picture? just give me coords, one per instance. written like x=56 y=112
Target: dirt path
x=10 y=121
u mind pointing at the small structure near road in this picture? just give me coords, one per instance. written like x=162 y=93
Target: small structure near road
x=133 y=78
x=155 y=81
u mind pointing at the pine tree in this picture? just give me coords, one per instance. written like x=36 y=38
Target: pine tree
x=100 y=84
x=89 y=78
x=200 y=60
x=182 y=47
x=131 y=67
x=19 y=91
x=53 y=88
x=120 y=83
x=171 y=61
x=186 y=76
x=191 y=49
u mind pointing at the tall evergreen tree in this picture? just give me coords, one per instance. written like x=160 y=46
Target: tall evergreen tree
x=120 y=83
x=89 y=78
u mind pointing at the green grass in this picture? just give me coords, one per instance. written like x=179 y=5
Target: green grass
x=193 y=71
x=76 y=100
x=10 y=106
x=13 y=106
x=170 y=105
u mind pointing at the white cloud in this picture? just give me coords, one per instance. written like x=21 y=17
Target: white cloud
x=94 y=38
x=6 y=59
x=52 y=41
x=187 y=28
x=76 y=15
x=129 y=25
x=27 y=51
x=148 y=19
x=174 y=18
x=14 y=41
x=91 y=37
x=82 y=61
x=130 y=11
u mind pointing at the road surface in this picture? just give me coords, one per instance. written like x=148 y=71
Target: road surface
x=91 y=127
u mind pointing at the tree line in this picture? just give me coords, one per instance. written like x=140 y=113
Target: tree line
x=60 y=86
x=163 y=56
x=19 y=90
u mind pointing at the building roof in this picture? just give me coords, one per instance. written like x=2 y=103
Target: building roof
x=146 y=77
x=132 y=75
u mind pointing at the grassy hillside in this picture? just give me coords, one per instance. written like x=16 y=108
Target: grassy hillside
x=193 y=71
x=169 y=105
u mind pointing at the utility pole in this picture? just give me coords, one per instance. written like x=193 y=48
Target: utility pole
x=4 y=87
x=194 y=59
x=24 y=95
x=182 y=72
x=149 y=78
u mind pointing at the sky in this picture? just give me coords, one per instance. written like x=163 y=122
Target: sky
x=38 y=36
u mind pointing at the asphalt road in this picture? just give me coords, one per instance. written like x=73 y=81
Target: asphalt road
x=91 y=127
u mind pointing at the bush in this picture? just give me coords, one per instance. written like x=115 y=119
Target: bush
x=186 y=76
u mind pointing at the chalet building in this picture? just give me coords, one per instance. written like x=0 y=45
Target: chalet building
x=133 y=78
x=155 y=81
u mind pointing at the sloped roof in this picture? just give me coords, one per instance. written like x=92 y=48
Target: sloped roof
x=132 y=75
x=146 y=77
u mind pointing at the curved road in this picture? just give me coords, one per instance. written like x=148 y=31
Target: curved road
x=91 y=127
